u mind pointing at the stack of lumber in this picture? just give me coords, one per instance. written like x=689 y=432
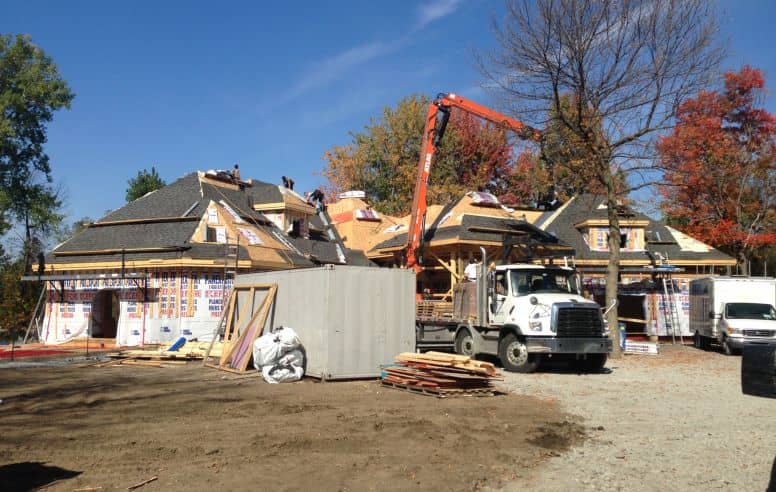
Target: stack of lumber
x=441 y=375
x=189 y=351
x=133 y=361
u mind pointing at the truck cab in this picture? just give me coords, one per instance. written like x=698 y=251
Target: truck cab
x=738 y=322
x=538 y=310
x=731 y=311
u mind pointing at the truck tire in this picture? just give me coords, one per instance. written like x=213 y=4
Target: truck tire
x=697 y=341
x=595 y=363
x=705 y=343
x=464 y=343
x=514 y=355
x=726 y=347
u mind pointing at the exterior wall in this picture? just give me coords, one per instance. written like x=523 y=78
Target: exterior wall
x=656 y=305
x=180 y=303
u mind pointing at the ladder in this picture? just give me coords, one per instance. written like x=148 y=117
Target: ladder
x=231 y=256
x=670 y=308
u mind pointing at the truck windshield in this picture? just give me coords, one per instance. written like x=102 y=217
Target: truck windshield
x=526 y=282
x=749 y=310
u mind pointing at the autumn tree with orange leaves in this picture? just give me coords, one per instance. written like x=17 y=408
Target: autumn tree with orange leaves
x=382 y=159
x=720 y=163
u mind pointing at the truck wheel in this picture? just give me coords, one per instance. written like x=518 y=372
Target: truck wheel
x=728 y=349
x=464 y=343
x=698 y=341
x=726 y=346
x=514 y=355
x=595 y=363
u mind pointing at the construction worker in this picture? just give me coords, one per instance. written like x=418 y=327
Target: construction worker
x=470 y=272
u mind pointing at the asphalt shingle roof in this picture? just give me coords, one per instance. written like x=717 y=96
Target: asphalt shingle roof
x=171 y=201
x=587 y=206
x=189 y=197
x=473 y=228
x=131 y=236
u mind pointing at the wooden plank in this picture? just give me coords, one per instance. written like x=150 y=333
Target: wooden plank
x=145 y=363
x=225 y=368
x=230 y=331
x=254 y=331
x=230 y=347
x=228 y=313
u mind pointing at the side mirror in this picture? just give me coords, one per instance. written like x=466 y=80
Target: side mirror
x=711 y=315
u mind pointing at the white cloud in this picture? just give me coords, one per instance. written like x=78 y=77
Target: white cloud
x=342 y=64
x=434 y=10
x=338 y=65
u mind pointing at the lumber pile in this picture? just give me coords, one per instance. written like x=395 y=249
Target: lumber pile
x=188 y=352
x=441 y=375
x=132 y=361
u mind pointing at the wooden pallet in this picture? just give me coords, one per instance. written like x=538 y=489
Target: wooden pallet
x=442 y=392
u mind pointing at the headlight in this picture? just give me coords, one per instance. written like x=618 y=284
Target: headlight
x=535 y=325
x=734 y=331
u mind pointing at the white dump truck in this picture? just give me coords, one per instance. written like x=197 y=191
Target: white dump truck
x=520 y=313
x=731 y=311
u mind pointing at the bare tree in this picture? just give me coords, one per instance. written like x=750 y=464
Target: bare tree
x=626 y=66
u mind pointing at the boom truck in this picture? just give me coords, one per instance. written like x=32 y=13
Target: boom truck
x=517 y=312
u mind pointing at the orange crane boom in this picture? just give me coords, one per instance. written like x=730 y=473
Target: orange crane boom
x=436 y=123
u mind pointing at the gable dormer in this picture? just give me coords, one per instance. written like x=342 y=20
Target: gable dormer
x=288 y=210
x=595 y=232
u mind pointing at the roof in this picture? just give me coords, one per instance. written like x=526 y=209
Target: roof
x=130 y=236
x=172 y=200
x=358 y=230
x=173 y=223
x=667 y=241
x=464 y=220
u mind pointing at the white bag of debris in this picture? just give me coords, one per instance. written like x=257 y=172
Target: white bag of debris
x=279 y=356
x=288 y=368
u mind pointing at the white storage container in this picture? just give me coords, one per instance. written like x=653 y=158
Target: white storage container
x=351 y=320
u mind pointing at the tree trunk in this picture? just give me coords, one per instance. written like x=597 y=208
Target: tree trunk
x=613 y=269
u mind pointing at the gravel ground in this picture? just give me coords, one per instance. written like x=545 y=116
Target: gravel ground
x=673 y=421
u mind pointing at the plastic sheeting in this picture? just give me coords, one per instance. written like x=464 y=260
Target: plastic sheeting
x=279 y=356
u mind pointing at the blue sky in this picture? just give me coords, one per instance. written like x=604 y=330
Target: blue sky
x=202 y=85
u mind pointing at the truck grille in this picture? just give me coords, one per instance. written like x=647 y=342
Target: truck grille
x=758 y=333
x=579 y=322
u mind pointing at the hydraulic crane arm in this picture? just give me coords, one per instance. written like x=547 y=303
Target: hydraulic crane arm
x=436 y=123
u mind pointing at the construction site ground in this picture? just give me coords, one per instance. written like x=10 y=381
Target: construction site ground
x=673 y=421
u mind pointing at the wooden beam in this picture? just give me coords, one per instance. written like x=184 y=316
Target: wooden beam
x=447 y=267
x=91 y=252
x=150 y=220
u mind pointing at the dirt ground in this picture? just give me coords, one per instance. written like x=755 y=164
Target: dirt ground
x=676 y=421
x=70 y=428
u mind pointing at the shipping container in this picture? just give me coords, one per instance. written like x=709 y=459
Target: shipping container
x=351 y=320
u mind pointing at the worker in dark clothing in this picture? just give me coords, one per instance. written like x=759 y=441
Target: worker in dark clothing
x=316 y=198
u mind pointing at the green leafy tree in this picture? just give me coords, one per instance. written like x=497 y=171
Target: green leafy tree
x=31 y=90
x=17 y=300
x=145 y=182
x=382 y=160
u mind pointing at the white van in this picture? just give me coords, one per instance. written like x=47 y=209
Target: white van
x=732 y=310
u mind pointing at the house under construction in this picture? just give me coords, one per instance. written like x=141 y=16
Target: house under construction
x=162 y=266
